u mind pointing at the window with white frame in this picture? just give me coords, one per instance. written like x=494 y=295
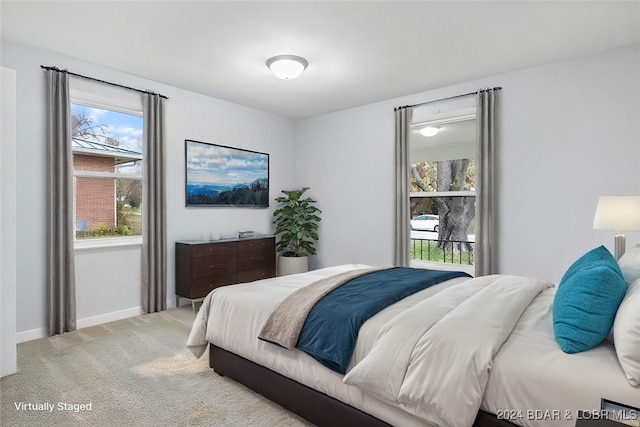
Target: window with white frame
x=106 y=145
x=442 y=154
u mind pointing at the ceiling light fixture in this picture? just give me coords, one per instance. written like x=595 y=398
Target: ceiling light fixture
x=287 y=67
x=429 y=131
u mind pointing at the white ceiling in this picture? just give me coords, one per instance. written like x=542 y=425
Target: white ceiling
x=359 y=52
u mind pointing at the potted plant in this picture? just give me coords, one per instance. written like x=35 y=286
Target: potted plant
x=296 y=223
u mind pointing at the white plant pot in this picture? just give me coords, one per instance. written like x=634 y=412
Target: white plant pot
x=292 y=265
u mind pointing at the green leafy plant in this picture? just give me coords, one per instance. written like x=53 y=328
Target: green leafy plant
x=104 y=230
x=296 y=223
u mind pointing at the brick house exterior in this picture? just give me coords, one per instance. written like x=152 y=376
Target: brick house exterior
x=95 y=198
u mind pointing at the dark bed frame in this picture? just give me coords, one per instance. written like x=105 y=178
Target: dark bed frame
x=312 y=405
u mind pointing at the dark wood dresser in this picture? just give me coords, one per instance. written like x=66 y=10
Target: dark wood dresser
x=202 y=266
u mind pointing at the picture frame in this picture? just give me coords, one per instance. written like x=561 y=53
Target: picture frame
x=219 y=175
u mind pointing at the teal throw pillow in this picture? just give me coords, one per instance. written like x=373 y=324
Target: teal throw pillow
x=587 y=300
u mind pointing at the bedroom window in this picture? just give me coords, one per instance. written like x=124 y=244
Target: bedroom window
x=442 y=186
x=106 y=146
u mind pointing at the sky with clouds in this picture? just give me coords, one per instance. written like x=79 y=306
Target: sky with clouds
x=208 y=163
x=127 y=128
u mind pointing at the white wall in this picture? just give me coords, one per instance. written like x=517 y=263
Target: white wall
x=8 y=363
x=347 y=159
x=107 y=284
x=569 y=132
x=188 y=116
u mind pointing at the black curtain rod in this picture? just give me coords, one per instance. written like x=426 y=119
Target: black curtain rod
x=450 y=97
x=103 y=81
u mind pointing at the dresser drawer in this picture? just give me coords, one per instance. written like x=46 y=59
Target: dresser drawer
x=249 y=262
x=200 y=288
x=215 y=249
x=223 y=264
x=254 y=253
x=267 y=245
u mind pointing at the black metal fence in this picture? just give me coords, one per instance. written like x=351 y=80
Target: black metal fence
x=453 y=251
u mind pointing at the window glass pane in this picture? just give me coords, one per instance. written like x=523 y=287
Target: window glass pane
x=446 y=236
x=108 y=127
x=445 y=175
x=442 y=182
x=108 y=207
x=129 y=205
x=106 y=142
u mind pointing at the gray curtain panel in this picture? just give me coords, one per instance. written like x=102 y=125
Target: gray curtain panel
x=60 y=269
x=486 y=208
x=402 y=214
x=154 y=229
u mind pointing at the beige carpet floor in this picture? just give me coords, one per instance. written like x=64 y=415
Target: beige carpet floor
x=132 y=372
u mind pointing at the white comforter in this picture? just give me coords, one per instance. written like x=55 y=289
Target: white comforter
x=529 y=372
x=441 y=350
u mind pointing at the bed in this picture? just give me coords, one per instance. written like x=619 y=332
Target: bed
x=512 y=370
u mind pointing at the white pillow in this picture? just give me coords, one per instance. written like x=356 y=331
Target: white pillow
x=629 y=264
x=626 y=334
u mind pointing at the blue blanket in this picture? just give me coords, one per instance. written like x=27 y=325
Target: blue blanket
x=330 y=331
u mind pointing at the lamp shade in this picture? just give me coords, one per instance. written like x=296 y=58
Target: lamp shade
x=287 y=67
x=617 y=213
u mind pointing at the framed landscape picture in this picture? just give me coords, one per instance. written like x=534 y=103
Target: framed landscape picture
x=218 y=175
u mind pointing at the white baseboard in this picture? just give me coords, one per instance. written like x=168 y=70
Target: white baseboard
x=35 y=334
x=108 y=317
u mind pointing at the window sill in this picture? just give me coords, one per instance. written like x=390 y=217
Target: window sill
x=107 y=243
